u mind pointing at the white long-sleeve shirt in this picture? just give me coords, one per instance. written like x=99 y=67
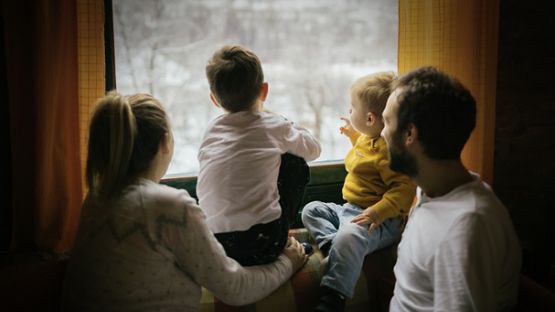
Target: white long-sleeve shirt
x=239 y=159
x=152 y=251
x=459 y=252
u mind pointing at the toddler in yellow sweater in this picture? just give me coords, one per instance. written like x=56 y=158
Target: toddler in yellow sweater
x=377 y=198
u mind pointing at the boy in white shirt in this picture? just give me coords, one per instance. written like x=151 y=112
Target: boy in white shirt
x=240 y=159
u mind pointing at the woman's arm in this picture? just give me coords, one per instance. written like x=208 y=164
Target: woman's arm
x=202 y=257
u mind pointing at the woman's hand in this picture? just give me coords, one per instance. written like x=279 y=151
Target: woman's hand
x=295 y=252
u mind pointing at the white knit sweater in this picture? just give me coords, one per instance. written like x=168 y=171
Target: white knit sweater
x=151 y=250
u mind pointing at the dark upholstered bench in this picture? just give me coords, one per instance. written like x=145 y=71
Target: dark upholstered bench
x=36 y=286
x=301 y=292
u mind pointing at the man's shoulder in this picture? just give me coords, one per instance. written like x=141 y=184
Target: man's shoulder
x=474 y=203
x=480 y=197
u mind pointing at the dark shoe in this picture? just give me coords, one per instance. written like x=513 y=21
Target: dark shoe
x=325 y=249
x=307 y=248
x=330 y=301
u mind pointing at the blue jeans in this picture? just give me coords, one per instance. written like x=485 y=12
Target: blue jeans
x=350 y=243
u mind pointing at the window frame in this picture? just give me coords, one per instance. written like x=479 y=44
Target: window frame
x=326 y=177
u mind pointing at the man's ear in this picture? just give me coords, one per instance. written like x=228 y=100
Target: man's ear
x=411 y=135
x=263 y=92
x=213 y=99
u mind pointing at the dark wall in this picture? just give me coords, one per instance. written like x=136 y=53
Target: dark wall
x=5 y=142
x=524 y=163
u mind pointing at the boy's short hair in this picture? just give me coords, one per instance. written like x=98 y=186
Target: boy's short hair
x=373 y=90
x=235 y=77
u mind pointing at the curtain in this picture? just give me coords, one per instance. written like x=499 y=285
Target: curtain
x=459 y=37
x=52 y=69
x=90 y=36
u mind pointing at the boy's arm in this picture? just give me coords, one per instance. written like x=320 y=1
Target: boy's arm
x=300 y=142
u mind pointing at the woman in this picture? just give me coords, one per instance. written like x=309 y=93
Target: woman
x=143 y=246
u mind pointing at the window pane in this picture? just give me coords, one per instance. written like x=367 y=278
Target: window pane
x=311 y=51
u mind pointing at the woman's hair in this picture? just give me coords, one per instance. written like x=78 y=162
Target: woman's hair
x=373 y=90
x=124 y=137
x=235 y=77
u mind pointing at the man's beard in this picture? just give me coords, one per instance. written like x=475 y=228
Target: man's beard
x=401 y=161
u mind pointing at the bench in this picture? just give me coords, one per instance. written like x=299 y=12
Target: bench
x=36 y=286
x=301 y=292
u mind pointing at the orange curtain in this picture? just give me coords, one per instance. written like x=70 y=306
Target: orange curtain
x=45 y=61
x=90 y=39
x=459 y=37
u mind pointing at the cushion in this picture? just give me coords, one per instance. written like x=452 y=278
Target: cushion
x=301 y=292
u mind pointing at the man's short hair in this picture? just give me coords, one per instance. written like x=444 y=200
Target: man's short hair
x=440 y=107
x=235 y=77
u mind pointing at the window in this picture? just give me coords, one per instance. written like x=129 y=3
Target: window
x=311 y=52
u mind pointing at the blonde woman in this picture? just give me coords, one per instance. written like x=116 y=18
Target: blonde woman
x=143 y=246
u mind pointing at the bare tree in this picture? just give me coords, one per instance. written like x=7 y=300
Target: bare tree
x=311 y=51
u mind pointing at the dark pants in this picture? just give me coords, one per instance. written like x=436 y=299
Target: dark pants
x=263 y=243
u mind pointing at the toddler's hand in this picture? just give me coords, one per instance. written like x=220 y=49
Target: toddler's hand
x=295 y=252
x=348 y=130
x=370 y=217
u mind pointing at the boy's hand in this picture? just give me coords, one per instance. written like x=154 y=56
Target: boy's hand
x=370 y=217
x=348 y=130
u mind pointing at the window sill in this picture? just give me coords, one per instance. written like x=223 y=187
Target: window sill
x=315 y=167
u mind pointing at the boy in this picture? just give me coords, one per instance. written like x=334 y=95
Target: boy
x=240 y=159
x=376 y=197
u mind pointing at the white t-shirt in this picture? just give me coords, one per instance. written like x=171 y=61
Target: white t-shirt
x=151 y=250
x=459 y=252
x=239 y=158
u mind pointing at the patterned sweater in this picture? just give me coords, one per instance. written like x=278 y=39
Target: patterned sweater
x=151 y=250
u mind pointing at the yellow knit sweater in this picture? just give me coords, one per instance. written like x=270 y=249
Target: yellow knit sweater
x=370 y=182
